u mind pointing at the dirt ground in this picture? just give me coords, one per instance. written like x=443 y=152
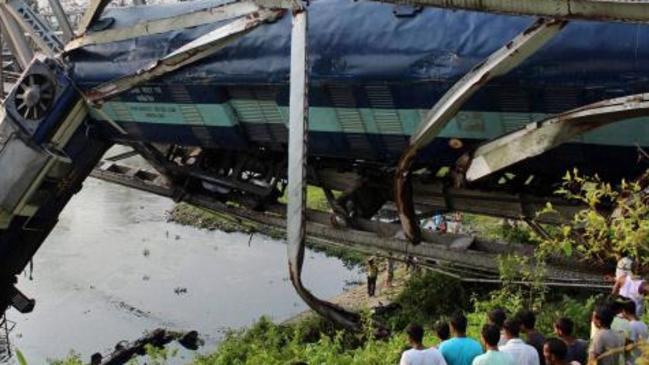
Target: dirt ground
x=356 y=298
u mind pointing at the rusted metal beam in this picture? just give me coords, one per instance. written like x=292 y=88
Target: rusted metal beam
x=498 y=63
x=15 y=38
x=191 y=52
x=297 y=181
x=62 y=20
x=634 y=11
x=539 y=137
x=145 y=28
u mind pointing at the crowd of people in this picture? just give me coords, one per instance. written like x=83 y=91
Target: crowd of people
x=506 y=339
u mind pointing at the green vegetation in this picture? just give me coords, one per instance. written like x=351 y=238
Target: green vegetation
x=268 y=343
x=314 y=341
x=315 y=198
x=190 y=215
x=614 y=223
x=498 y=229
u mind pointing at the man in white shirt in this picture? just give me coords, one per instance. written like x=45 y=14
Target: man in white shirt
x=629 y=285
x=418 y=354
x=522 y=353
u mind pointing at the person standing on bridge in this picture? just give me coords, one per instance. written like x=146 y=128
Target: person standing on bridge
x=372 y=274
x=629 y=285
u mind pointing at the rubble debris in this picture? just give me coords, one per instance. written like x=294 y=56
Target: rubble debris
x=125 y=351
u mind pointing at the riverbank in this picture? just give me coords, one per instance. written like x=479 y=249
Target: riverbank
x=356 y=299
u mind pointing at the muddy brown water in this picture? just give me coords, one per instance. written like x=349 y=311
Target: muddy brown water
x=114 y=268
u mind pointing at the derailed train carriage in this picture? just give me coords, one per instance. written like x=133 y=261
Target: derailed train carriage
x=422 y=108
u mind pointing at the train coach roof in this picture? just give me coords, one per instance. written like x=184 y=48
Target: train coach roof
x=364 y=40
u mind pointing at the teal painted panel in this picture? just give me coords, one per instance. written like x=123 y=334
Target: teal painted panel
x=369 y=121
x=628 y=133
x=410 y=119
x=218 y=115
x=166 y=113
x=474 y=125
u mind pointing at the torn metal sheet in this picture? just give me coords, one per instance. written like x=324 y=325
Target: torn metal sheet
x=145 y=28
x=297 y=182
x=540 y=137
x=607 y=10
x=499 y=63
x=185 y=55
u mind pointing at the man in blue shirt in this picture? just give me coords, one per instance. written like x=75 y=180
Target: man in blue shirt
x=459 y=350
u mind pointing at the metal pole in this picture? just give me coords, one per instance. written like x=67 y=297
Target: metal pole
x=15 y=37
x=297 y=146
x=297 y=183
x=2 y=67
x=62 y=19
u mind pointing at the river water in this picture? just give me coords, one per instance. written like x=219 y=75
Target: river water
x=114 y=268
